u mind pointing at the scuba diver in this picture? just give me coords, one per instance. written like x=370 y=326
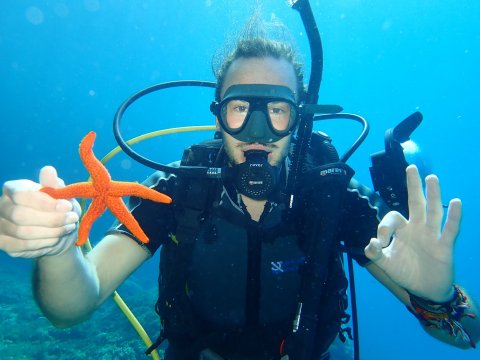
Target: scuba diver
x=248 y=271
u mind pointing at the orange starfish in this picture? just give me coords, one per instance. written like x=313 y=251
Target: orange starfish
x=105 y=194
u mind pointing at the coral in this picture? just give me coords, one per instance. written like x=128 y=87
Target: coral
x=27 y=335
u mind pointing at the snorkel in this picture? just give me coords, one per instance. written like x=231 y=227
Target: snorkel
x=305 y=126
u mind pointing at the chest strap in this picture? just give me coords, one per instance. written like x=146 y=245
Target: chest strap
x=323 y=192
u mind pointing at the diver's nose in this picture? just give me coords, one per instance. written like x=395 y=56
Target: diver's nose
x=257 y=126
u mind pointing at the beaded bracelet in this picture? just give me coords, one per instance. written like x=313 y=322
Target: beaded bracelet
x=446 y=315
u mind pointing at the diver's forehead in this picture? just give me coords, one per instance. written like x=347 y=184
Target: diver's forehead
x=266 y=70
x=266 y=91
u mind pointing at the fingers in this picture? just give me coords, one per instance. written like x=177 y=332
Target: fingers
x=16 y=248
x=25 y=215
x=434 y=203
x=374 y=250
x=452 y=224
x=35 y=241
x=390 y=223
x=25 y=193
x=31 y=222
x=10 y=188
x=416 y=198
x=37 y=248
x=23 y=204
x=388 y=226
x=39 y=230
x=21 y=221
x=434 y=209
x=49 y=178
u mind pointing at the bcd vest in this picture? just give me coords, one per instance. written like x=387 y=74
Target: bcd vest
x=194 y=202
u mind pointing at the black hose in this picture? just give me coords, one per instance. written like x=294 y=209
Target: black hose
x=305 y=126
x=202 y=172
x=353 y=301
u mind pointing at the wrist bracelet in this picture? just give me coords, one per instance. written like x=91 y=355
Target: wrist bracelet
x=446 y=315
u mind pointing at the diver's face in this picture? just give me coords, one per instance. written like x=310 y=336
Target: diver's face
x=258 y=71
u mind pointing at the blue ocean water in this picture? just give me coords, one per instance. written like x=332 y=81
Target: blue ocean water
x=66 y=66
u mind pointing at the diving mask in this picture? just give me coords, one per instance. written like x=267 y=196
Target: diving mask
x=257 y=112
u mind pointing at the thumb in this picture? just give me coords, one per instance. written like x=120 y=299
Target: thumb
x=49 y=178
x=374 y=250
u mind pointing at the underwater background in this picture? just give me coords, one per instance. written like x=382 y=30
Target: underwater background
x=65 y=67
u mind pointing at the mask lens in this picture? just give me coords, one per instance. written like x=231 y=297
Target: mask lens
x=234 y=113
x=281 y=115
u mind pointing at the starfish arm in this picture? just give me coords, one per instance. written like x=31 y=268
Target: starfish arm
x=96 y=208
x=81 y=189
x=118 y=208
x=119 y=188
x=100 y=176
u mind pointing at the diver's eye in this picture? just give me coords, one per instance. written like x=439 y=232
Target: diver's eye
x=235 y=112
x=279 y=108
x=280 y=114
x=237 y=106
x=277 y=111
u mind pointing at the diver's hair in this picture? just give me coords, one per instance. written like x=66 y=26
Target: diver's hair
x=254 y=42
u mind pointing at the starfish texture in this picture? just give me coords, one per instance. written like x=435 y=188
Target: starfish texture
x=105 y=193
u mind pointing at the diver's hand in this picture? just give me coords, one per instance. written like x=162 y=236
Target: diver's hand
x=33 y=224
x=419 y=256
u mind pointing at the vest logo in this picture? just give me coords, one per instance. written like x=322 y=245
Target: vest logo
x=333 y=171
x=280 y=267
x=277 y=266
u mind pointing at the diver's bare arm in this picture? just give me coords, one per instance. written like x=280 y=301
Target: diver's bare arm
x=65 y=287
x=462 y=326
x=471 y=324
x=69 y=287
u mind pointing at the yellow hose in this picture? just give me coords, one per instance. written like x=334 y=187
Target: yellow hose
x=88 y=247
x=157 y=133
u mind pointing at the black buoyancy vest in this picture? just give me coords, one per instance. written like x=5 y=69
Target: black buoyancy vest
x=193 y=199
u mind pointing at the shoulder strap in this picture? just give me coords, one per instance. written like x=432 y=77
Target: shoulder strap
x=323 y=188
x=192 y=200
x=193 y=196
